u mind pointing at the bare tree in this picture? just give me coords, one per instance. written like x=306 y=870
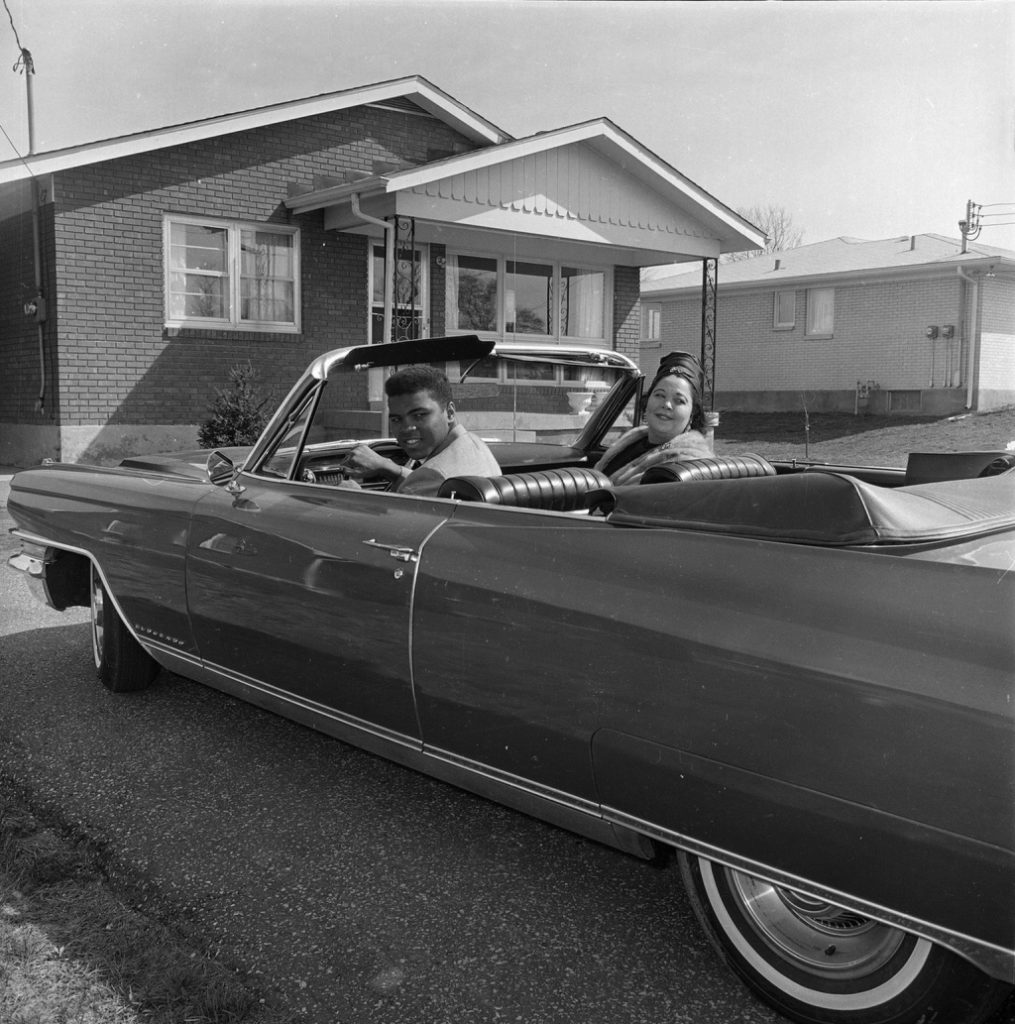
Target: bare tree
x=776 y=222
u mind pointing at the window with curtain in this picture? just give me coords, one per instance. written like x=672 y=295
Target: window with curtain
x=231 y=275
x=582 y=300
x=820 y=311
x=521 y=298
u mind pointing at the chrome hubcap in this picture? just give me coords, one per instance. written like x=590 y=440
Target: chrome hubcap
x=817 y=935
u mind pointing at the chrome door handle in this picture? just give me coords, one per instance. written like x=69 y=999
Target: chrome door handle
x=397 y=551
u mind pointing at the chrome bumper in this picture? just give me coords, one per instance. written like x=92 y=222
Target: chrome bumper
x=33 y=564
x=35 y=567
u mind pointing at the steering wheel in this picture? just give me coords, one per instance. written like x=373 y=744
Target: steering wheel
x=335 y=470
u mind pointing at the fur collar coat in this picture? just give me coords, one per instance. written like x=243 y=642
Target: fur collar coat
x=690 y=445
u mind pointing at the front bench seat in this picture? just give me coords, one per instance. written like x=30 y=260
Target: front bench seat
x=720 y=467
x=556 y=490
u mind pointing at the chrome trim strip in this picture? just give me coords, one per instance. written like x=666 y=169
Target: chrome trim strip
x=994 y=960
x=35 y=539
x=286 y=697
x=516 y=782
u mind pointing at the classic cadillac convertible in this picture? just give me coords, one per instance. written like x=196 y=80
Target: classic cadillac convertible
x=796 y=676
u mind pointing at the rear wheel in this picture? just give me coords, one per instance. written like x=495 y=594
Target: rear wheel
x=121 y=663
x=818 y=963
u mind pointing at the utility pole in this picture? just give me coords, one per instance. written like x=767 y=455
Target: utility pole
x=998 y=215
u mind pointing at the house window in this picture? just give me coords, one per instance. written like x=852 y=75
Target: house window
x=820 y=311
x=409 y=316
x=231 y=275
x=784 y=315
x=499 y=296
x=471 y=293
x=582 y=302
x=652 y=322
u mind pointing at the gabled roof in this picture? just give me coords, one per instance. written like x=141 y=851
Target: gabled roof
x=421 y=92
x=602 y=135
x=838 y=257
x=587 y=182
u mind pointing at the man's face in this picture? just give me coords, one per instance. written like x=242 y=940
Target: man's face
x=418 y=423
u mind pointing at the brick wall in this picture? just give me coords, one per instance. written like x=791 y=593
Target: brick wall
x=438 y=290
x=879 y=334
x=23 y=375
x=996 y=371
x=626 y=311
x=119 y=363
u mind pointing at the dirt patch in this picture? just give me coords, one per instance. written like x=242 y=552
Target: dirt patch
x=860 y=440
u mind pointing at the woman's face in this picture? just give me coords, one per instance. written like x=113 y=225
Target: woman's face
x=669 y=408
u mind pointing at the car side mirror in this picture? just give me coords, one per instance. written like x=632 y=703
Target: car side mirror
x=220 y=468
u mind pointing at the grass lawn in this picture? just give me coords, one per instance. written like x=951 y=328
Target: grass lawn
x=72 y=951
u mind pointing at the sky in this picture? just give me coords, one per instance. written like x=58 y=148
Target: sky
x=864 y=118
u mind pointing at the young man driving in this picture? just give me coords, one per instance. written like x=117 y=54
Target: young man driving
x=421 y=415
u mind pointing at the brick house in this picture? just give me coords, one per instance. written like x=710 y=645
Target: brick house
x=137 y=271
x=903 y=325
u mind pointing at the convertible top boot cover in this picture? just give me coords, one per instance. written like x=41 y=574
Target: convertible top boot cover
x=817 y=507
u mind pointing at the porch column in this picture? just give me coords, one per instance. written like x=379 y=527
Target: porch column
x=709 y=285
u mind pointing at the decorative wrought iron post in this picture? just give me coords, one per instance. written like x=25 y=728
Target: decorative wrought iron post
x=709 y=287
x=405 y=321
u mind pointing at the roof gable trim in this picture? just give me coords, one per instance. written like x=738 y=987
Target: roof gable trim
x=417 y=89
x=615 y=144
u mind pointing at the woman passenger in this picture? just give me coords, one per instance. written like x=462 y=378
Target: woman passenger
x=672 y=431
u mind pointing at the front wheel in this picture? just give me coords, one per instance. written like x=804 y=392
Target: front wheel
x=818 y=963
x=121 y=663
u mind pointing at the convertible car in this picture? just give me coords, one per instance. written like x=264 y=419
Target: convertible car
x=797 y=677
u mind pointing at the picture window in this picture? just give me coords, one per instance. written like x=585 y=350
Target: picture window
x=514 y=298
x=231 y=275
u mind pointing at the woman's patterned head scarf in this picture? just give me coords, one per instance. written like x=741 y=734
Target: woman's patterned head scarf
x=681 y=364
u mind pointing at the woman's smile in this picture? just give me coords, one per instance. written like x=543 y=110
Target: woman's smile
x=669 y=408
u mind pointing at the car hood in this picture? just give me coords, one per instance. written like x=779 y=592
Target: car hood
x=190 y=463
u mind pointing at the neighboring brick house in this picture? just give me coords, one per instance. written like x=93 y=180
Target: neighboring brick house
x=137 y=271
x=903 y=325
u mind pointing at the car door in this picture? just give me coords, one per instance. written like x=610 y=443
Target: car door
x=506 y=656
x=305 y=590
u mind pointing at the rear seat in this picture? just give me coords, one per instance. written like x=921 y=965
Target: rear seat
x=726 y=467
x=556 y=490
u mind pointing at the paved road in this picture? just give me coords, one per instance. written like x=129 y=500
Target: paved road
x=361 y=892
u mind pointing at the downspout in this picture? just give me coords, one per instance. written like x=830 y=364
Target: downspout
x=389 y=261
x=971 y=350
x=39 y=302
x=389 y=292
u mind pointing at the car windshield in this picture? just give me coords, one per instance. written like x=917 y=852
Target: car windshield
x=514 y=396
x=501 y=398
x=525 y=398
